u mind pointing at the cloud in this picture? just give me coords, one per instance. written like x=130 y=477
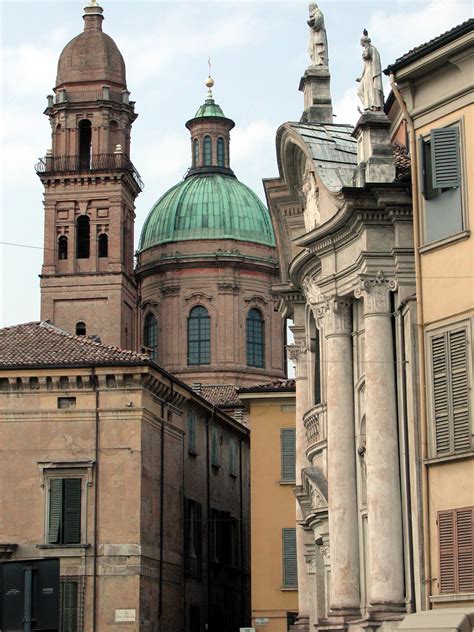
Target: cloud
x=345 y=108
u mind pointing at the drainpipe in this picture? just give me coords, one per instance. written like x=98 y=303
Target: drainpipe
x=421 y=342
x=96 y=502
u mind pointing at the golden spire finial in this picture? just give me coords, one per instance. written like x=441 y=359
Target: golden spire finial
x=209 y=81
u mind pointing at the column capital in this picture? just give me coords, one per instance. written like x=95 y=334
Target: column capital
x=311 y=291
x=375 y=290
x=336 y=316
x=296 y=350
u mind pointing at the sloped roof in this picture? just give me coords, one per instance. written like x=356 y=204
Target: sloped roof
x=288 y=385
x=41 y=345
x=333 y=150
x=222 y=395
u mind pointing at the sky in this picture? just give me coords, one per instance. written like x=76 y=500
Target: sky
x=258 y=52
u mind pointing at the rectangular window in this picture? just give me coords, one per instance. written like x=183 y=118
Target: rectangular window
x=192 y=443
x=456 y=550
x=449 y=388
x=64 y=526
x=290 y=576
x=288 y=454
x=192 y=538
x=68 y=606
x=215 y=448
x=233 y=457
x=441 y=183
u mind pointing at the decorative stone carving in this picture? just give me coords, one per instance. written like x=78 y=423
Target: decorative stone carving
x=257 y=300
x=311 y=195
x=370 y=90
x=170 y=290
x=294 y=351
x=311 y=291
x=228 y=288
x=326 y=554
x=318 y=43
x=375 y=290
x=317 y=501
x=198 y=296
x=336 y=315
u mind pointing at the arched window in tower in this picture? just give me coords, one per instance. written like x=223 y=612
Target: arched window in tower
x=85 y=138
x=103 y=245
x=255 y=339
x=150 y=335
x=315 y=358
x=62 y=248
x=80 y=328
x=114 y=135
x=220 y=152
x=83 y=235
x=199 y=336
x=195 y=152
x=207 y=151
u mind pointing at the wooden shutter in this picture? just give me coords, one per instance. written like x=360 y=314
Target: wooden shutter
x=459 y=390
x=445 y=157
x=198 y=538
x=465 y=549
x=447 y=571
x=187 y=536
x=290 y=578
x=288 y=454
x=68 y=606
x=439 y=358
x=456 y=550
x=191 y=431
x=72 y=510
x=55 y=509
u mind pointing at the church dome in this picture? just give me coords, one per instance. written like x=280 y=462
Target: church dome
x=208 y=206
x=91 y=56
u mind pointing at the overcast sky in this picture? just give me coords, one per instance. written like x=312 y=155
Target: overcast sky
x=258 y=52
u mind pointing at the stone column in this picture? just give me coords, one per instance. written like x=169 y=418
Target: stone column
x=385 y=580
x=342 y=495
x=298 y=354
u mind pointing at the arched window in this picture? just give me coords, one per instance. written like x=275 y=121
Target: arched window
x=255 y=339
x=85 y=138
x=83 y=234
x=80 y=328
x=103 y=245
x=207 y=151
x=220 y=152
x=150 y=335
x=195 y=152
x=315 y=356
x=199 y=336
x=62 y=247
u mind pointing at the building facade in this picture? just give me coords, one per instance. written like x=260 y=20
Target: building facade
x=271 y=416
x=138 y=485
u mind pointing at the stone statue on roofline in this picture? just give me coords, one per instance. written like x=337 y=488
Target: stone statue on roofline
x=370 y=90
x=318 y=43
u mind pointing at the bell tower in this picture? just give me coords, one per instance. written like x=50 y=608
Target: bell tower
x=90 y=186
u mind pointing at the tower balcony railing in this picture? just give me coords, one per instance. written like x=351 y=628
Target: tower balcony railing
x=51 y=165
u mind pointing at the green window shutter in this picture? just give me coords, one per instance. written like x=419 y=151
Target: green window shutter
x=288 y=453
x=72 y=510
x=191 y=431
x=68 y=606
x=465 y=549
x=215 y=460
x=458 y=347
x=445 y=157
x=439 y=357
x=55 y=510
x=290 y=576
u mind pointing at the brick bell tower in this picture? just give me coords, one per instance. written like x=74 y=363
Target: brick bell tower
x=90 y=186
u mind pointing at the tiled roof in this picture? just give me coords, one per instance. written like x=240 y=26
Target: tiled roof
x=287 y=385
x=222 y=395
x=433 y=44
x=402 y=163
x=41 y=344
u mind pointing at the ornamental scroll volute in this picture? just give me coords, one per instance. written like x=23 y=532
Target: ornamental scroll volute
x=375 y=290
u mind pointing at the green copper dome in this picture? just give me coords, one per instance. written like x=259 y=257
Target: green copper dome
x=209 y=108
x=208 y=206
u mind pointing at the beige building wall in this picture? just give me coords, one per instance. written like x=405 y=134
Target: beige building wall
x=272 y=508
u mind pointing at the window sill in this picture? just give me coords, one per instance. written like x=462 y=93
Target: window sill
x=192 y=452
x=447 y=241
x=62 y=546
x=452 y=597
x=451 y=457
x=292 y=483
x=288 y=588
x=233 y=474
x=216 y=466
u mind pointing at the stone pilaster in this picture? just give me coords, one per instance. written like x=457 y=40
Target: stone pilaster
x=385 y=579
x=316 y=87
x=336 y=318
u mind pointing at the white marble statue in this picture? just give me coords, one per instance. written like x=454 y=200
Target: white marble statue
x=370 y=90
x=311 y=193
x=318 y=43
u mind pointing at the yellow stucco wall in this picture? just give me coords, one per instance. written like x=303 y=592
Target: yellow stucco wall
x=272 y=509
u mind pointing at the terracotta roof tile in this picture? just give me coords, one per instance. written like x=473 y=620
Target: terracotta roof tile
x=222 y=395
x=288 y=384
x=41 y=344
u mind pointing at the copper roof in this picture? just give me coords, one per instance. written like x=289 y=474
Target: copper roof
x=288 y=385
x=222 y=395
x=41 y=344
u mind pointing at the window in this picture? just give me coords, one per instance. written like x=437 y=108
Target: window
x=441 y=179
x=315 y=351
x=68 y=606
x=85 y=138
x=215 y=448
x=192 y=538
x=199 y=336
x=207 y=151
x=225 y=547
x=192 y=443
x=290 y=577
x=103 y=245
x=83 y=234
x=150 y=335
x=449 y=389
x=64 y=524
x=194 y=619
x=195 y=152
x=255 y=339
x=456 y=550
x=288 y=454
x=80 y=328
x=62 y=248
x=220 y=152
x=233 y=457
